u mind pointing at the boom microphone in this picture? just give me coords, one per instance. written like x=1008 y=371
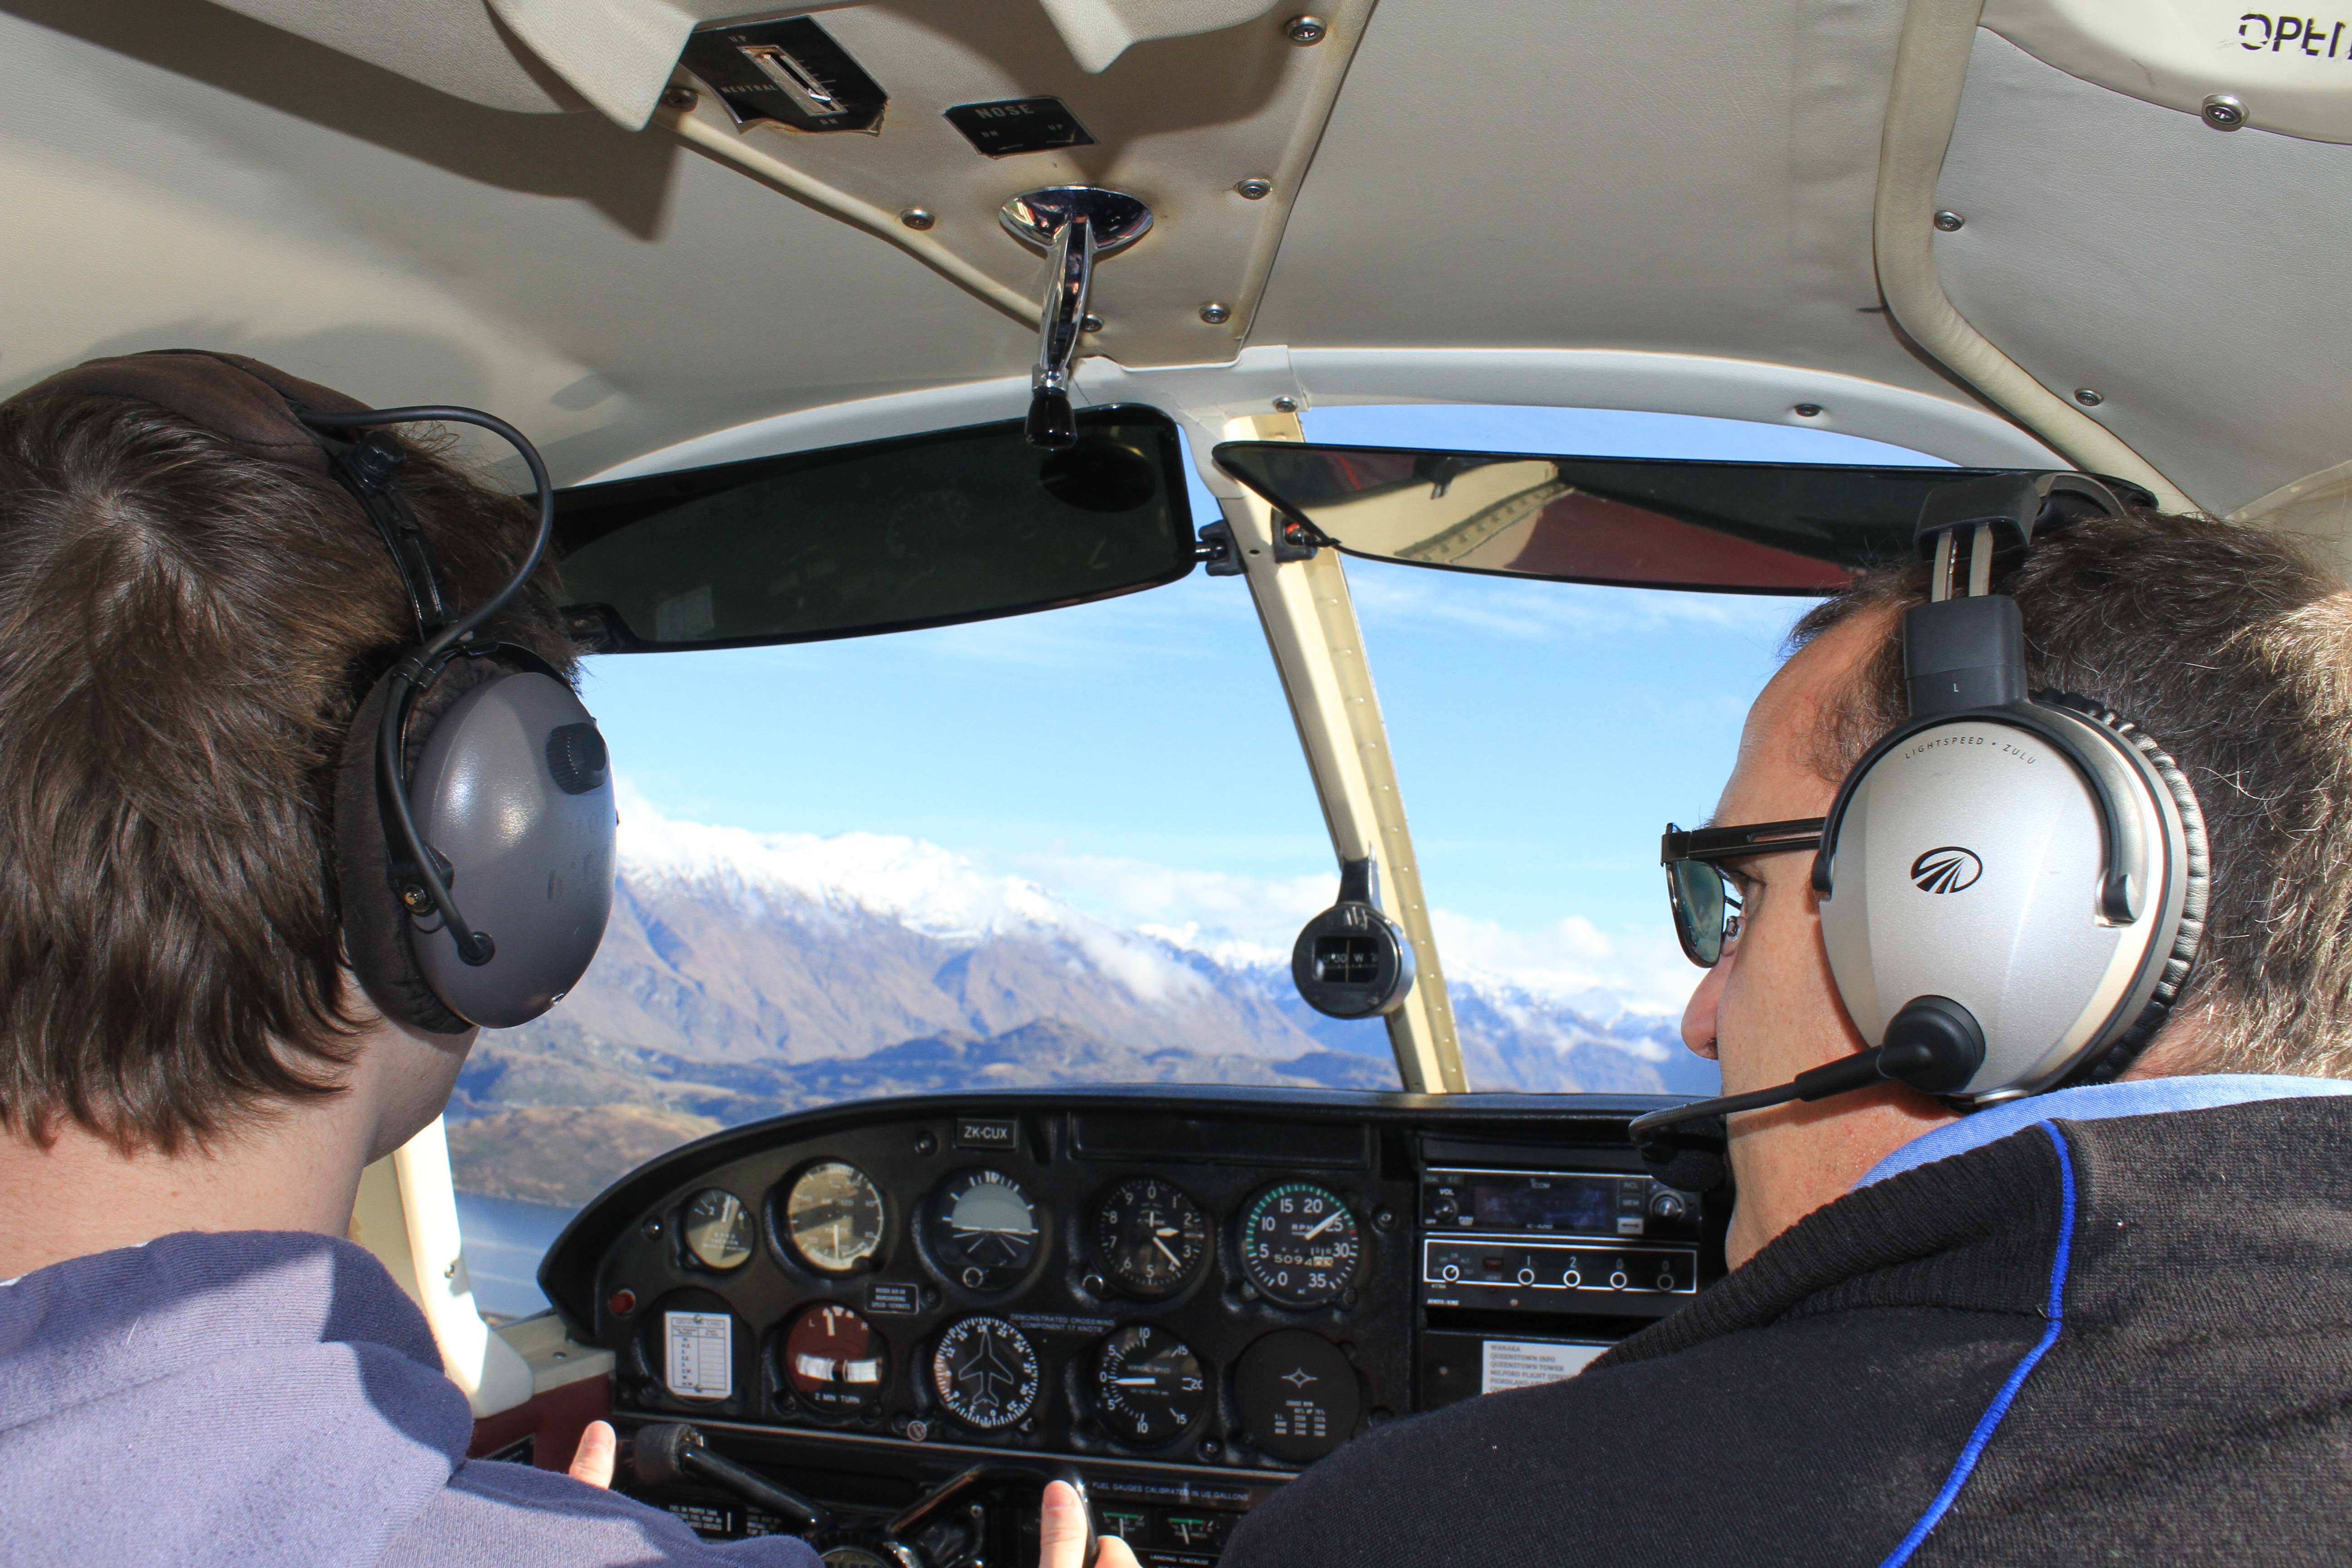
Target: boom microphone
x=1933 y=1045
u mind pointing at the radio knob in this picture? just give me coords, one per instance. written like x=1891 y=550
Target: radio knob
x=1443 y=1209
x=1667 y=1205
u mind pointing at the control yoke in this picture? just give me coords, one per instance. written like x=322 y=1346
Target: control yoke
x=672 y=1451
x=909 y=1522
x=668 y=1452
x=1075 y=225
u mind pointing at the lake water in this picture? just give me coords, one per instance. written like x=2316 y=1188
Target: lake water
x=504 y=1242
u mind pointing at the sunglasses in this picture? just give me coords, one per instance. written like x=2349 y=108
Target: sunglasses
x=1706 y=910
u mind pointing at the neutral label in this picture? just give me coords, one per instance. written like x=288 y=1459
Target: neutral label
x=1522 y=1364
x=701 y=1361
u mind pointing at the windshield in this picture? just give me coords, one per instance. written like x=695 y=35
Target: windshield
x=1074 y=847
x=1544 y=733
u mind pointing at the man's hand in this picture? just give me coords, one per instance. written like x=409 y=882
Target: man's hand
x=592 y=1462
x=1062 y=1534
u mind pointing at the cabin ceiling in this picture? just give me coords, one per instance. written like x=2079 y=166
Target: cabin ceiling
x=1676 y=179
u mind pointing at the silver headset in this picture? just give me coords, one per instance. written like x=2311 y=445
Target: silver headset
x=2012 y=885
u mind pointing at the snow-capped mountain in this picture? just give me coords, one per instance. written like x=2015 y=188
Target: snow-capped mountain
x=747 y=974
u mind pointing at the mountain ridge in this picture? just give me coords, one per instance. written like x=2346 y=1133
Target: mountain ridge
x=747 y=975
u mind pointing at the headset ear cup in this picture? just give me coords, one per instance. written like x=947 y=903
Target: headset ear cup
x=376 y=927
x=2181 y=961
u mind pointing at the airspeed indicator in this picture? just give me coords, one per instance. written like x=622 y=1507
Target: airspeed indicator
x=1299 y=1245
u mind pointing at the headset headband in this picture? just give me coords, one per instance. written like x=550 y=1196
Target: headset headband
x=250 y=402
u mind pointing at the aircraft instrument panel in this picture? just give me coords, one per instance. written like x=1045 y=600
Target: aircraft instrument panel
x=1182 y=1297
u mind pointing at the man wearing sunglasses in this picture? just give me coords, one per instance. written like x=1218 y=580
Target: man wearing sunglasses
x=2101 y=1324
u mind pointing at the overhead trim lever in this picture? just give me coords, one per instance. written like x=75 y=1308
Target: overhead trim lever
x=1076 y=226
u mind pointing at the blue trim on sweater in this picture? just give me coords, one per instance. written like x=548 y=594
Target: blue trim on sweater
x=2055 y=1310
x=2097 y=1102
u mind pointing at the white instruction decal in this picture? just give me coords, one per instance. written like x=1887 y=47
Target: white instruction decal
x=1522 y=1364
x=701 y=1354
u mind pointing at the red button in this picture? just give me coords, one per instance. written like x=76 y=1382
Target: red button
x=620 y=1303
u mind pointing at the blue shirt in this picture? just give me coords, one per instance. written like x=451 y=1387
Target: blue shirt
x=2096 y=1102
x=269 y=1398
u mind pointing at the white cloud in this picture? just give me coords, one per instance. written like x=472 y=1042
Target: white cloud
x=1122 y=914
x=1210 y=907
x=1571 y=960
x=919 y=884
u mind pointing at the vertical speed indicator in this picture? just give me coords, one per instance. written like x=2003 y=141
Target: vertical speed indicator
x=1299 y=1245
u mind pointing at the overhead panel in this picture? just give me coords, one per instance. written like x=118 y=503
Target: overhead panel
x=2175 y=281
x=1678 y=177
x=458 y=47
x=175 y=174
x=960 y=109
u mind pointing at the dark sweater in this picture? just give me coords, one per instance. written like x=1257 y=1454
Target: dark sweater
x=2089 y=1342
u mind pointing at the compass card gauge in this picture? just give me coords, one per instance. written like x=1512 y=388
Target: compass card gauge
x=834 y=1216
x=833 y=1360
x=985 y=1373
x=717 y=1230
x=1299 y=1245
x=983 y=1230
x=1152 y=1239
x=1149 y=1386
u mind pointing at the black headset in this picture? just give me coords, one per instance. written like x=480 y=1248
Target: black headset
x=470 y=768
x=2012 y=885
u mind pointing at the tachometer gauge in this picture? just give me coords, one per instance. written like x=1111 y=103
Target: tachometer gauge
x=985 y=1373
x=834 y=1216
x=717 y=1230
x=1151 y=1237
x=1147 y=1385
x=983 y=1229
x=833 y=1359
x=1299 y=1245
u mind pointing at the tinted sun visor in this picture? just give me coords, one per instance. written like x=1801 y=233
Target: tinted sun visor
x=1751 y=528
x=922 y=530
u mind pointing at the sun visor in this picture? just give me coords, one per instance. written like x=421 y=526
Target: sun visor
x=1709 y=527
x=2234 y=64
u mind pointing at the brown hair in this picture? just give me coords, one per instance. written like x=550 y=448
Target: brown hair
x=2231 y=647
x=186 y=630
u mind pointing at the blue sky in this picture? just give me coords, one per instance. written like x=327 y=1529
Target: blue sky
x=1136 y=756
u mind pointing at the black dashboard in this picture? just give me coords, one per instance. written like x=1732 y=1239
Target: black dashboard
x=1183 y=1296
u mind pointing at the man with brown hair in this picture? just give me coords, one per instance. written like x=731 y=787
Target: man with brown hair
x=194 y=1368
x=2101 y=1323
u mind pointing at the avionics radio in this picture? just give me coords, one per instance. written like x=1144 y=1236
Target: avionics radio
x=1554 y=1241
